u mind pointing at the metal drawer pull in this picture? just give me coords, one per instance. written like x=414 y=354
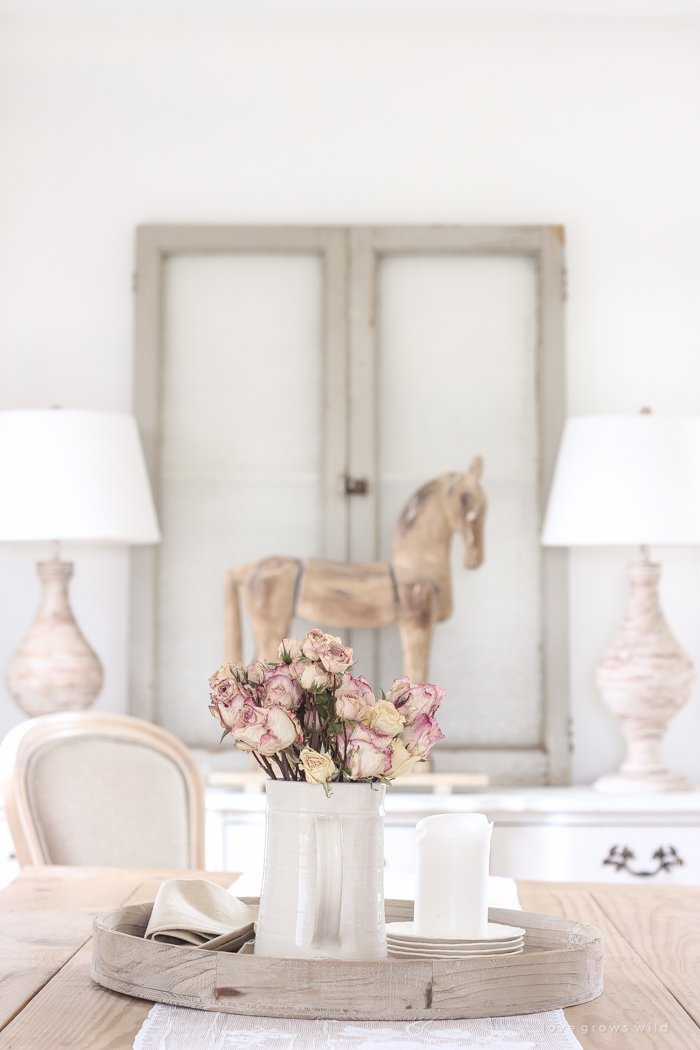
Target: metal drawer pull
x=666 y=856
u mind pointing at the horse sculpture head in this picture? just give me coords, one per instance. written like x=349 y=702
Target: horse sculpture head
x=450 y=503
x=466 y=509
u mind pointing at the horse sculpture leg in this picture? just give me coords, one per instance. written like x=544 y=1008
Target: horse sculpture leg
x=417 y=614
x=233 y=640
x=269 y=600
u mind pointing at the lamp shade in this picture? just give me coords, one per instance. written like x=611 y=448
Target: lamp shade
x=73 y=475
x=626 y=480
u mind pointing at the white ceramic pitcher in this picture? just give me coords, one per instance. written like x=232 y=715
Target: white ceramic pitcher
x=323 y=890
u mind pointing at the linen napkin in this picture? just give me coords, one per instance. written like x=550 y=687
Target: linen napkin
x=201 y=914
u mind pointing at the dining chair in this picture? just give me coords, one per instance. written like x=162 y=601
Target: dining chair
x=101 y=790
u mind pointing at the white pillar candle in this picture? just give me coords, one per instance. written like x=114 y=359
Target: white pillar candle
x=452 y=875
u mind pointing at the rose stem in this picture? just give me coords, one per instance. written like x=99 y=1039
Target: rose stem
x=264 y=764
x=280 y=760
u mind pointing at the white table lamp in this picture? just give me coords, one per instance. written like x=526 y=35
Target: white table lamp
x=633 y=480
x=67 y=475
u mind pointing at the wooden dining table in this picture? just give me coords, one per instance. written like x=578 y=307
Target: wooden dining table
x=48 y=1001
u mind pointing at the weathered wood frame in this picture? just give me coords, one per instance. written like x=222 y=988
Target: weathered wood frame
x=351 y=256
x=561 y=965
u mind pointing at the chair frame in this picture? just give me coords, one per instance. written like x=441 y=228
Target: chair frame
x=25 y=741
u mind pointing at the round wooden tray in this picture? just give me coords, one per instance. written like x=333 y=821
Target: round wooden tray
x=562 y=965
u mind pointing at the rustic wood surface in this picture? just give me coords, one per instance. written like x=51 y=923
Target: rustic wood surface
x=664 y=929
x=47 y=999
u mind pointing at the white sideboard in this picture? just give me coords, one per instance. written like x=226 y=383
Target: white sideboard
x=553 y=834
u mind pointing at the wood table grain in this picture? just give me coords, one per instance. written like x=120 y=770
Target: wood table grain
x=47 y=999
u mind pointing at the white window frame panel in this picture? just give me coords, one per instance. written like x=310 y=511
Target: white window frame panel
x=154 y=244
x=550 y=762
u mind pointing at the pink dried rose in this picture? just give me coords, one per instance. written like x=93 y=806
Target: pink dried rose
x=226 y=713
x=312 y=676
x=289 y=649
x=354 y=698
x=412 y=700
x=281 y=688
x=226 y=680
x=227 y=707
x=421 y=735
x=368 y=753
x=327 y=650
x=266 y=730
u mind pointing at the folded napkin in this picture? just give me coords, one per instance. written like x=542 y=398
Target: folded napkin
x=201 y=914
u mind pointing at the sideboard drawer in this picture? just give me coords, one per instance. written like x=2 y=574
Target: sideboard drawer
x=578 y=853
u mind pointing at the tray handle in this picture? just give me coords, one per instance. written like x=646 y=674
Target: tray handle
x=329 y=881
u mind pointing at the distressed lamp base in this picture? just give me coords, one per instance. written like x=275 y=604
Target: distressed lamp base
x=629 y=784
x=644 y=678
x=54 y=668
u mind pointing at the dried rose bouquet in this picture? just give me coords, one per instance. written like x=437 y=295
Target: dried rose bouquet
x=308 y=718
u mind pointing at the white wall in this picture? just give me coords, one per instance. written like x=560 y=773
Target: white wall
x=109 y=121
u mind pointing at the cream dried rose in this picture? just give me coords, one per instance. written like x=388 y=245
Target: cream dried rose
x=317 y=768
x=385 y=718
x=312 y=676
x=289 y=649
x=326 y=650
x=401 y=759
x=256 y=672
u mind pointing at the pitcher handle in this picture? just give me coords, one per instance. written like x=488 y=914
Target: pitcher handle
x=329 y=881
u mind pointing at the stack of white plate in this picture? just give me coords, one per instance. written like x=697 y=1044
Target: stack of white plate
x=402 y=943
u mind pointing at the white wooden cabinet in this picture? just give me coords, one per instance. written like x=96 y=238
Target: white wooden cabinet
x=568 y=834
x=591 y=849
x=552 y=834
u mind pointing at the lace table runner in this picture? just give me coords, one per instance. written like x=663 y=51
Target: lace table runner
x=179 y=1028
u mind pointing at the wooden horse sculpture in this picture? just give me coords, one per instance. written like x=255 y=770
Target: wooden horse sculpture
x=414 y=591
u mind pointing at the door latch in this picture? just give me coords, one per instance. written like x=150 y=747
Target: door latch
x=356 y=486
